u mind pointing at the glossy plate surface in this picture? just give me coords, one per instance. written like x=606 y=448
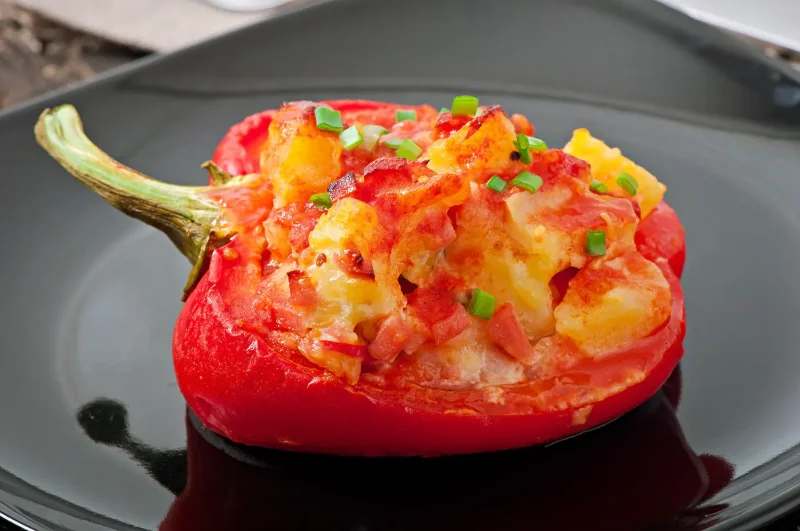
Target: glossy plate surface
x=93 y=430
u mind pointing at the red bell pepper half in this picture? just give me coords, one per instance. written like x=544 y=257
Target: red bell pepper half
x=240 y=365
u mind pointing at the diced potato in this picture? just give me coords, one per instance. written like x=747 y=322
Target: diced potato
x=610 y=305
x=344 y=299
x=484 y=143
x=299 y=159
x=607 y=163
x=348 y=223
x=513 y=267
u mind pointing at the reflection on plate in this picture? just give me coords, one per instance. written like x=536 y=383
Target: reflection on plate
x=633 y=473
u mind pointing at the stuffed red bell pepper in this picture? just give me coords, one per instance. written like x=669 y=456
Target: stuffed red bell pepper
x=378 y=279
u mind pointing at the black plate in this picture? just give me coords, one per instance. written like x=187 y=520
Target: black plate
x=94 y=430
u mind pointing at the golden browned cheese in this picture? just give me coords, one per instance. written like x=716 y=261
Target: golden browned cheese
x=445 y=230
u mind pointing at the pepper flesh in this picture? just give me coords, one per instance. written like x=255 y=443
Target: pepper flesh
x=269 y=395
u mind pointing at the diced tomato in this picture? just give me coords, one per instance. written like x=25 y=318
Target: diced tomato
x=447 y=124
x=443 y=317
x=554 y=166
x=522 y=125
x=393 y=334
x=301 y=289
x=506 y=330
x=436 y=229
x=450 y=327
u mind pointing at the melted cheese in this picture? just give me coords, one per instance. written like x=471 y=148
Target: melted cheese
x=345 y=300
x=510 y=246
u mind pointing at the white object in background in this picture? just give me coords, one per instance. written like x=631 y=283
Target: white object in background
x=773 y=21
x=245 y=5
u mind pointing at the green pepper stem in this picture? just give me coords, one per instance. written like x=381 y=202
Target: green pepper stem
x=184 y=213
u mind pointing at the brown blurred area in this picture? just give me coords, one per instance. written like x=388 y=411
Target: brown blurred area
x=38 y=55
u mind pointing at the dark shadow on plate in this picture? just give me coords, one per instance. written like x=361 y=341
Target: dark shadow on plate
x=105 y=421
x=637 y=472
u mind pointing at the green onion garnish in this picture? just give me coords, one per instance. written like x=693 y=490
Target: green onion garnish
x=322 y=201
x=328 y=120
x=598 y=187
x=596 y=243
x=481 y=304
x=536 y=144
x=628 y=183
x=372 y=134
x=527 y=180
x=443 y=109
x=522 y=143
x=496 y=183
x=406 y=114
x=464 y=106
x=393 y=143
x=478 y=112
x=351 y=138
x=409 y=150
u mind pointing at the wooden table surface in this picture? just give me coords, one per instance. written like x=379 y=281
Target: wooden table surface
x=37 y=55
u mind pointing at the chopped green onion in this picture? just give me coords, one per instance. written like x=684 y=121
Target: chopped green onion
x=481 y=304
x=478 y=112
x=406 y=114
x=464 y=106
x=522 y=143
x=443 y=109
x=371 y=134
x=496 y=183
x=596 y=243
x=628 y=183
x=393 y=143
x=536 y=144
x=409 y=150
x=598 y=187
x=527 y=180
x=328 y=120
x=351 y=138
x=322 y=201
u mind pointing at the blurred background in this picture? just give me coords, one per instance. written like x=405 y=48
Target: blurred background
x=48 y=44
